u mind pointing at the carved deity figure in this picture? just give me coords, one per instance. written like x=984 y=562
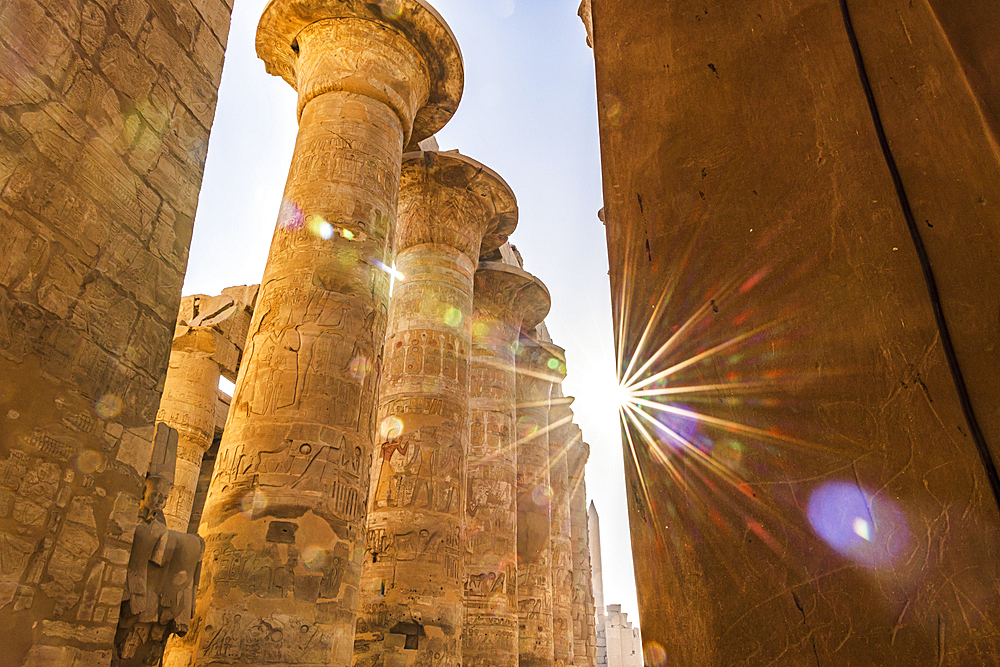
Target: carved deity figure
x=163 y=570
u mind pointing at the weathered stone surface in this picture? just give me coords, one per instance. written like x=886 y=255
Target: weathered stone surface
x=539 y=366
x=507 y=298
x=284 y=519
x=88 y=297
x=829 y=505
x=208 y=342
x=563 y=434
x=584 y=622
x=451 y=208
x=163 y=569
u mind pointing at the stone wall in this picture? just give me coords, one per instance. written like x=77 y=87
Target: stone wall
x=813 y=493
x=105 y=111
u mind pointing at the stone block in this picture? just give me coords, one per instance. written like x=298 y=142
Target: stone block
x=61 y=285
x=104 y=310
x=216 y=14
x=51 y=140
x=128 y=72
x=37 y=41
x=93 y=27
x=134 y=450
x=111 y=597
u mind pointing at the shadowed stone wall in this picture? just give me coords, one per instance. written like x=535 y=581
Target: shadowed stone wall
x=105 y=111
x=804 y=486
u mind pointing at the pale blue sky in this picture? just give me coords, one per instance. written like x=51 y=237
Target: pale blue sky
x=529 y=113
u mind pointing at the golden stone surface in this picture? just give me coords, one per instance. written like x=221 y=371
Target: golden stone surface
x=412 y=602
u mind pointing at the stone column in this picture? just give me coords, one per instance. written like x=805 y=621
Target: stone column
x=507 y=298
x=538 y=367
x=561 y=434
x=584 y=631
x=188 y=406
x=285 y=513
x=208 y=343
x=451 y=208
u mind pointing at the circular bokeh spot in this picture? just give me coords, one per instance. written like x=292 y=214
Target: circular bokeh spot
x=108 y=406
x=655 y=654
x=867 y=529
x=88 y=461
x=391 y=9
x=314 y=558
x=391 y=427
x=253 y=503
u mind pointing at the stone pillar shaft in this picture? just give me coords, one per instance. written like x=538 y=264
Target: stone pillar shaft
x=584 y=631
x=284 y=518
x=534 y=548
x=561 y=436
x=412 y=609
x=188 y=405
x=506 y=299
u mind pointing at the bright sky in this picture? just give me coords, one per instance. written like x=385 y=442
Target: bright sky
x=529 y=113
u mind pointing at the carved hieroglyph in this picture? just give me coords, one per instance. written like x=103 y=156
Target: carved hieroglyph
x=506 y=299
x=285 y=514
x=562 y=435
x=451 y=208
x=539 y=366
x=584 y=630
x=105 y=110
x=208 y=343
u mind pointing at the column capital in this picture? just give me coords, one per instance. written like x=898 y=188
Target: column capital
x=577 y=455
x=366 y=71
x=511 y=294
x=539 y=365
x=451 y=199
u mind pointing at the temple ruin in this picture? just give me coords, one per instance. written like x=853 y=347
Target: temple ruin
x=396 y=479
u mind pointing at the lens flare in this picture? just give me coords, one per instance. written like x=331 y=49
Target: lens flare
x=390 y=428
x=290 y=217
x=655 y=654
x=317 y=226
x=314 y=558
x=863 y=527
x=359 y=368
x=542 y=495
x=391 y=9
x=88 y=461
x=253 y=503
x=108 y=406
x=452 y=316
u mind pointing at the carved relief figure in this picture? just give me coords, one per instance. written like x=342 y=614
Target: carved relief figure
x=163 y=570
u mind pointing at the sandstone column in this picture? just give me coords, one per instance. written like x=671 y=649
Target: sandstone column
x=285 y=514
x=208 y=343
x=507 y=298
x=584 y=631
x=561 y=435
x=539 y=365
x=451 y=208
x=188 y=405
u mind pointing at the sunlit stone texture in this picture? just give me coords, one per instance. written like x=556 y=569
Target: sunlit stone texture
x=208 y=344
x=285 y=514
x=507 y=298
x=562 y=434
x=539 y=365
x=412 y=605
x=803 y=486
x=105 y=110
x=584 y=631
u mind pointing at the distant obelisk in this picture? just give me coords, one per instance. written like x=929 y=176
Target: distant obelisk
x=594 y=523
